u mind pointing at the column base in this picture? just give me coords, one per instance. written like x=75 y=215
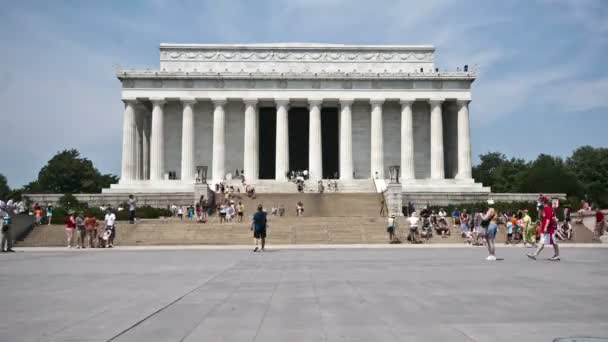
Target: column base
x=444 y=185
x=148 y=186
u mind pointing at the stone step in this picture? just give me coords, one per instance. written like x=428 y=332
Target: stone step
x=284 y=230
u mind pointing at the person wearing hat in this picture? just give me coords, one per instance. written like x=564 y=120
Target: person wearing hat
x=70 y=225
x=258 y=225
x=548 y=226
x=390 y=228
x=488 y=223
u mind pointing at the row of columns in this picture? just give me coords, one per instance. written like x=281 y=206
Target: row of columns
x=144 y=145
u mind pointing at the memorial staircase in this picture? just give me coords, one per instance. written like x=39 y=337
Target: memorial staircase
x=272 y=186
x=281 y=230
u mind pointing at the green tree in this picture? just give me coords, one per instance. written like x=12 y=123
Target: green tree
x=67 y=172
x=5 y=190
x=549 y=174
x=590 y=166
x=500 y=173
x=484 y=171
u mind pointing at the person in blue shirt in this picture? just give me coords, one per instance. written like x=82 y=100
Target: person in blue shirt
x=258 y=225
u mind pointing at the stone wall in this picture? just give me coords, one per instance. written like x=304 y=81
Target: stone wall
x=158 y=200
x=456 y=198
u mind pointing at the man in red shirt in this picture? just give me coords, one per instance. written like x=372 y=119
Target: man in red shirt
x=548 y=225
x=599 y=223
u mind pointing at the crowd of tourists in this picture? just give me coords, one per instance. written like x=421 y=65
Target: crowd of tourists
x=479 y=228
x=84 y=231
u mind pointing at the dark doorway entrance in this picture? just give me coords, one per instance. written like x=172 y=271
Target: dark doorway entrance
x=330 y=142
x=298 y=118
x=267 y=133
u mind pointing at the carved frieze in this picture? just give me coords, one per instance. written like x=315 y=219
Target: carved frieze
x=294 y=56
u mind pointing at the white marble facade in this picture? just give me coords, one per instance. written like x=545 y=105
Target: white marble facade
x=202 y=108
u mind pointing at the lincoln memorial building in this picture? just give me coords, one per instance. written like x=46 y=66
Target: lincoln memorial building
x=352 y=112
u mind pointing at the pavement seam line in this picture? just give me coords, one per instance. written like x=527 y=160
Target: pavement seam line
x=274 y=290
x=219 y=304
x=168 y=305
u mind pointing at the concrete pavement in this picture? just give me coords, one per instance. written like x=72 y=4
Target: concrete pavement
x=342 y=294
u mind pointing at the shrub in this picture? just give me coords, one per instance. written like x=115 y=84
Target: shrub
x=69 y=202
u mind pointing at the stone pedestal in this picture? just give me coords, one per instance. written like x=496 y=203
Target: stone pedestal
x=200 y=189
x=393 y=198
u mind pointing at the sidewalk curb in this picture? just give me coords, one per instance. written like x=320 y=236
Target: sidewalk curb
x=303 y=246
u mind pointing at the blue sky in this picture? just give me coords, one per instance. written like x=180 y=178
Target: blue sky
x=543 y=85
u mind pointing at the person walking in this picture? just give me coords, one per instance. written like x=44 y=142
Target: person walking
x=488 y=222
x=528 y=230
x=382 y=205
x=70 y=225
x=80 y=231
x=258 y=225
x=132 y=204
x=7 y=235
x=547 y=232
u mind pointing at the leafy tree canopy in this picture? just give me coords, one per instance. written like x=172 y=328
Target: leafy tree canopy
x=5 y=190
x=67 y=172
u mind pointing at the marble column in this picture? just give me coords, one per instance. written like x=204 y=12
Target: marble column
x=145 y=146
x=282 y=141
x=129 y=131
x=464 y=142
x=187 y=174
x=315 y=156
x=138 y=143
x=250 y=150
x=219 y=146
x=346 y=139
x=157 y=141
x=377 y=144
x=437 y=169
x=407 y=141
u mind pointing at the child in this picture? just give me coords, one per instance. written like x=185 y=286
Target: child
x=509 y=232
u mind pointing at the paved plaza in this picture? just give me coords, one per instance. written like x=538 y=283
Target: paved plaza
x=365 y=294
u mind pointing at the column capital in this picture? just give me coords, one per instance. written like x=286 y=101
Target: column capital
x=435 y=102
x=376 y=102
x=463 y=102
x=219 y=101
x=250 y=101
x=315 y=102
x=188 y=101
x=346 y=102
x=406 y=102
x=281 y=102
x=158 y=101
x=131 y=102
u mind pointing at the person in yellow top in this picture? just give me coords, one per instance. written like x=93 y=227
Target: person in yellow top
x=240 y=209
x=528 y=230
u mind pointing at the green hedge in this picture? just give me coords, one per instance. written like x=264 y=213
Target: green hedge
x=147 y=212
